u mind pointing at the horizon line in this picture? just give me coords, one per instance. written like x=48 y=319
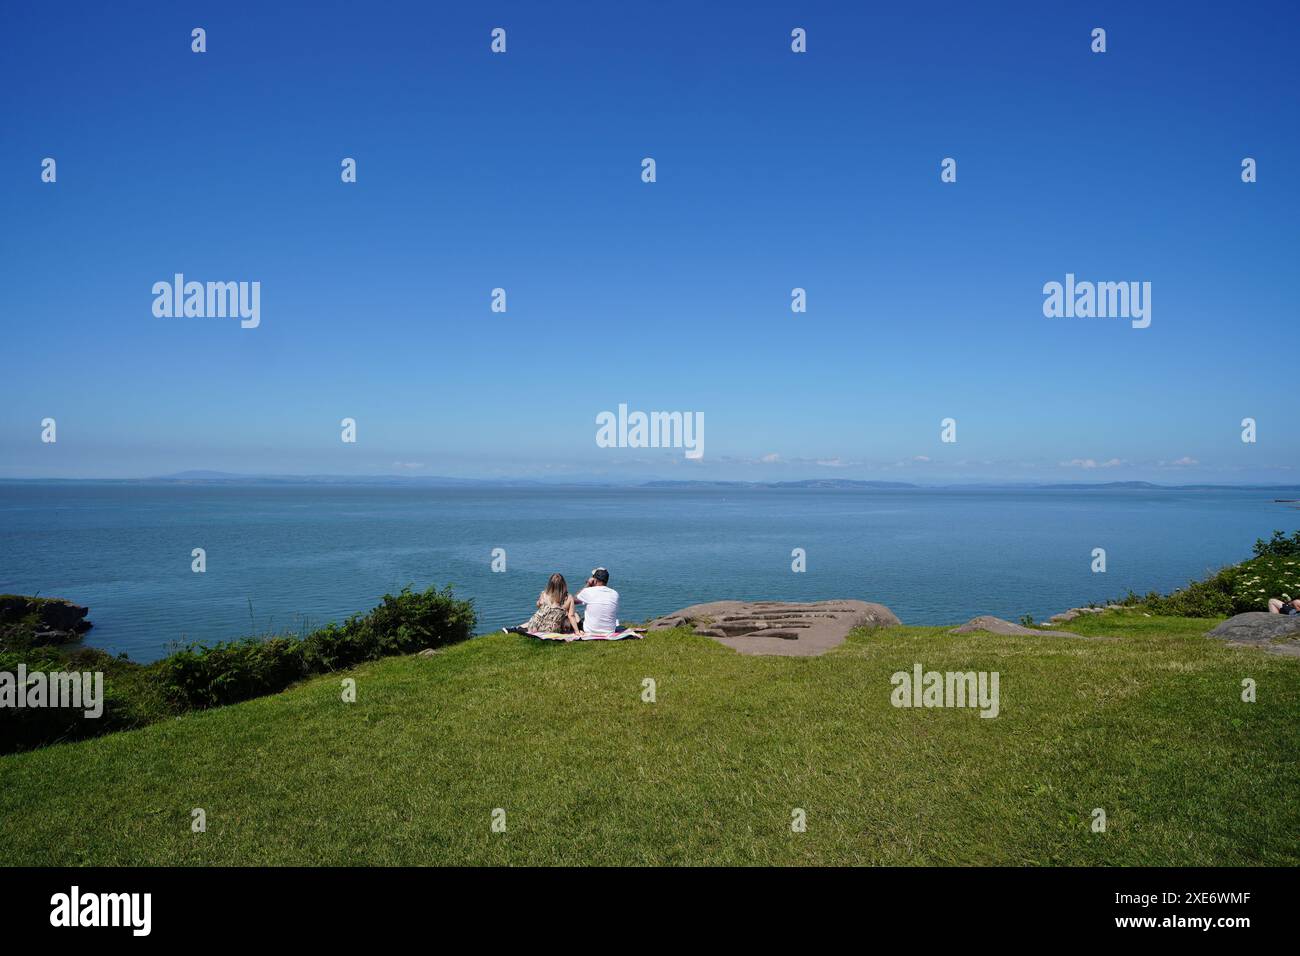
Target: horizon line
x=203 y=476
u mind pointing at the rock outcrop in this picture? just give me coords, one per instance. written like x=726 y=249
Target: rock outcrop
x=1074 y=612
x=995 y=625
x=778 y=627
x=1275 y=633
x=44 y=620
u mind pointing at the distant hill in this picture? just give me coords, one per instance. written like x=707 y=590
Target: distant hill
x=1078 y=485
x=848 y=484
x=438 y=481
x=841 y=483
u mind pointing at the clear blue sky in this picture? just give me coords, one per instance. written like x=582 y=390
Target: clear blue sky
x=775 y=170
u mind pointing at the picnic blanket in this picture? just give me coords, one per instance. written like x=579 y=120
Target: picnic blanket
x=585 y=636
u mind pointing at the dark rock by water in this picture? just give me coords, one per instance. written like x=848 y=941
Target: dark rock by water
x=42 y=621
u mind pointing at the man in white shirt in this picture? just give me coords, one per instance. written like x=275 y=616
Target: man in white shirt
x=601 y=602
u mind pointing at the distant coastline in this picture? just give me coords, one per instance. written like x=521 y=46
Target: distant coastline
x=831 y=484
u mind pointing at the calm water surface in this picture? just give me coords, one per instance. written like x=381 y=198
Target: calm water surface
x=285 y=558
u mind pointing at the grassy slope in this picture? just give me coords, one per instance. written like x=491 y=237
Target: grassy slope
x=1147 y=723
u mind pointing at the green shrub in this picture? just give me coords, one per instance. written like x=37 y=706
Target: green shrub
x=231 y=671
x=1212 y=597
x=334 y=647
x=401 y=624
x=124 y=703
x=1279 y=546
x=411 y=621
x=200 y=676
x=1271 y=576
x=16 y=638
x=1233 y=590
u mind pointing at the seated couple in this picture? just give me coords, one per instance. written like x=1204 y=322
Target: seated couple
x=557 y=609
x=1286 y=605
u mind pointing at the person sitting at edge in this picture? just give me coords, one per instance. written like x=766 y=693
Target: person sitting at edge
x=1284 y=606
x=601 y=602
x=554 y=614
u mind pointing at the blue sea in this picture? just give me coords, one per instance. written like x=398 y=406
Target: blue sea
x=285 y=558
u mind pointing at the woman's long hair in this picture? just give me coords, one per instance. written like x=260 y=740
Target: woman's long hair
x=557 y=589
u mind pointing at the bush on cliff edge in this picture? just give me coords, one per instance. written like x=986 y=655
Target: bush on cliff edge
x=200 y=676
x=225 y=673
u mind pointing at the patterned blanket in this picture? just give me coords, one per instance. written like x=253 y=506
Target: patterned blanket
x=585 y=636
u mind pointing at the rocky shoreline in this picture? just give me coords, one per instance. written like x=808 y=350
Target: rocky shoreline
x=41 y=622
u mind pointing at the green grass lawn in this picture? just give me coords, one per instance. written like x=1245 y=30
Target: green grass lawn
x=1145 y=720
